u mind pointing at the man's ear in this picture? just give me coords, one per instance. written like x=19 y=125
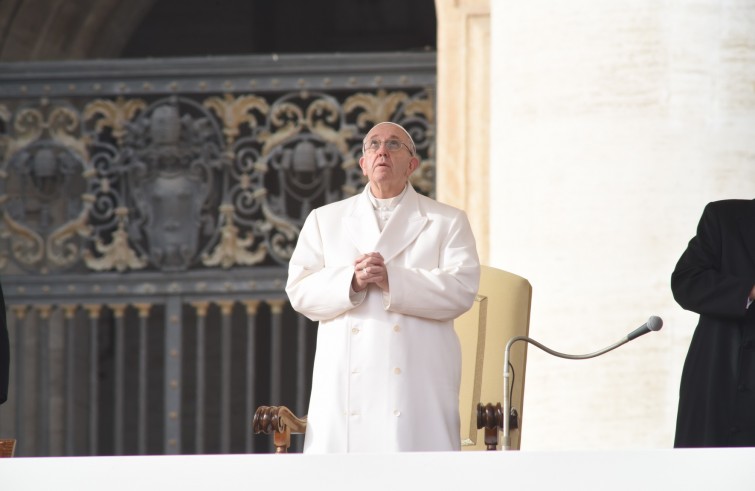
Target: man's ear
x=361 y=166
x=413 y=164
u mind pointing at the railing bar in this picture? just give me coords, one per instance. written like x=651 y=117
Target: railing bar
x=43 y=377
x=276 y=350
x=142 y=435
x=94 y=312
x=251 y=361
x=172 y=384
x=276 y=354
x=20 y=389
x=225 y=378
x=70 y=391
x=301 y=370
x=301 y=364
x=201 y=383
x=119 y=377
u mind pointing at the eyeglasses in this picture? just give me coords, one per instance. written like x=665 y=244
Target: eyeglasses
x=371 y=146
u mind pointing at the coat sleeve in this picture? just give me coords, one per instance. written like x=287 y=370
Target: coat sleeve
x=315 y=289
x=699 y=283
x=444 y=292
x=4 y=352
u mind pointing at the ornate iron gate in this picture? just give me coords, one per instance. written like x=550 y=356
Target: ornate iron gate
x=149 y=209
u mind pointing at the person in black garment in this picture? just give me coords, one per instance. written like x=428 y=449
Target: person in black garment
x=715 y=277
x=4 y=351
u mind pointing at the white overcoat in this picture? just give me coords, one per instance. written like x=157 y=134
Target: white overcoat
x=386 y=371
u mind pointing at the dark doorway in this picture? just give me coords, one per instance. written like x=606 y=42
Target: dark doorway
x=175 y=28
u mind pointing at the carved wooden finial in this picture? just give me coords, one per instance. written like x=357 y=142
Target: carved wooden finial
x=490 y=418
x=281 y=422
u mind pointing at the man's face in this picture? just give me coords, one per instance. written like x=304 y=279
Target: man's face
x=384 y=167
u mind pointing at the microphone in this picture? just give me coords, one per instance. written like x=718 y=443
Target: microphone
x=654 y=323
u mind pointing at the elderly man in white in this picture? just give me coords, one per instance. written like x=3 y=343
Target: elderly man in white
x=385 y=273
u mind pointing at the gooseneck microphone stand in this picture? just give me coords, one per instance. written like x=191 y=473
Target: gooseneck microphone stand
x=654 y=323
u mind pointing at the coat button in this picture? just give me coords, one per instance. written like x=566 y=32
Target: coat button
x=397 y=371
x=354 y=330
x=396 y=328
x=397 y=412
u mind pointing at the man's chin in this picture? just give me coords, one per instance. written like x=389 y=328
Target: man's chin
x=382 y=175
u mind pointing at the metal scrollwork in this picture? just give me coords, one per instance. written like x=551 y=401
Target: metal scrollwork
x=42 y=184
x=117 y=254
x=235 y=111
x=27 y=246
x=179 y=182
x=172 y=169
x=114 y=115
x=231 y=249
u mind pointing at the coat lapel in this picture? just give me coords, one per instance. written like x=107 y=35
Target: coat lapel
x=402 y=229
x=362 y=225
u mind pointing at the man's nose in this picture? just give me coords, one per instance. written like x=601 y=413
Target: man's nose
x=383 y=149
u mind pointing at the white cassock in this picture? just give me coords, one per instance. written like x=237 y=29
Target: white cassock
x=387 y=370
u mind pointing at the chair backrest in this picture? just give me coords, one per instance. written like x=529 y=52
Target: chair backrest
x=7 y=447
x=500 y=312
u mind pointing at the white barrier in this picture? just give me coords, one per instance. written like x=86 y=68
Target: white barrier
x=645 y=470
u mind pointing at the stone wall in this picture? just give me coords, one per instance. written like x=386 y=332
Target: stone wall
x=612 y=125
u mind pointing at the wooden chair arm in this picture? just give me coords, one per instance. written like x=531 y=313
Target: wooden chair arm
x=7 y=447
x=281 y=422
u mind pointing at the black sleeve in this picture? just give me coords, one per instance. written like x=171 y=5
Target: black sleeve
x=4 y=351
x=699 y=282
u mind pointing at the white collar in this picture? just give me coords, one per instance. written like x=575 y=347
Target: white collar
x=385 y=204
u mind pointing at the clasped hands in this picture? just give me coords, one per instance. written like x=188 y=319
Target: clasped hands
x=369 y=268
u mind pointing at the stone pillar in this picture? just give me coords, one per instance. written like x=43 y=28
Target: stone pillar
x=462 y=158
